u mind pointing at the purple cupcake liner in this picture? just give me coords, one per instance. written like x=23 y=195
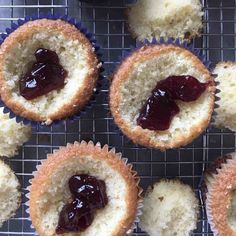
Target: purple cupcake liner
x=91 y=39
x=175 y=42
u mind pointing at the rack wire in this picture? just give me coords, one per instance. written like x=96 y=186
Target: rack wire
x=106 y=19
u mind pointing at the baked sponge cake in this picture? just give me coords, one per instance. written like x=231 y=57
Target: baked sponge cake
x=83 y=189
x=162 y=96
x=226 y=112
x=48 y=70
x=12 y=135
x=170 y=208
x=10 y=196
x=165 y=18
x=220 y=181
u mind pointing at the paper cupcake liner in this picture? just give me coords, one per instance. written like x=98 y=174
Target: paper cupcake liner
x=207 y=182
x=93 y=42
x=176 y=42
x=119 y=157
x=217 y=98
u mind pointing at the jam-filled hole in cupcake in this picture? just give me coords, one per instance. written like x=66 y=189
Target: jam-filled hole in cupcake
x=89 y=195
x=44 y=76
x=161 y=107
x=231 y=216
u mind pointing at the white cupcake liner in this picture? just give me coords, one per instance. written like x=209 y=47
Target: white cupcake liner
x=91 y=39
x=208 y=180
x=119 y=157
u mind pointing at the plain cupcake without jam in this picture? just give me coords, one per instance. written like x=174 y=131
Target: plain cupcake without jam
x=48 y=70
x=220 y=191
x=10 y=195
x=165 y=18
x=162 y=96
x=170 y=208
x=84 y=189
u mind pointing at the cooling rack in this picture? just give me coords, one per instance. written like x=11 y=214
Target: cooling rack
x=107 y=21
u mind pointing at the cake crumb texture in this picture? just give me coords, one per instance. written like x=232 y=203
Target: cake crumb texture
x=10 y=195
x=12 y=135
x=170 y=208
x=165 y=18
x=226 y=112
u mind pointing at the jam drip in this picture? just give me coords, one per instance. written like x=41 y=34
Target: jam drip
x=45 y=75
x=160 y=108
x=89 y=194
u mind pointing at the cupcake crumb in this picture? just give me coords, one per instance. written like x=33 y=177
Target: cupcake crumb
x=174 y=214
x=10 y=195
x=12 y=135
x=165 y=18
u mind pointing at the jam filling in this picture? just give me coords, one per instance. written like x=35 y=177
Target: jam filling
x=45 y=75
x=89 y=194
x=160 y=108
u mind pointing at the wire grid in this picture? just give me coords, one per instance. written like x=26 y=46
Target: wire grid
x=107 y=21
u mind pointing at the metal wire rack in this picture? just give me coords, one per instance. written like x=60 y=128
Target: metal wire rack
x=106 y=20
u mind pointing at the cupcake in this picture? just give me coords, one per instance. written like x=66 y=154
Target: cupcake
x=165 y=18
x=48 y=70
x=10 y=196
x=83 y=189
x=12 y=135
x=226 y=111
x=170 y=208
x=162 y=96
x=220 y=182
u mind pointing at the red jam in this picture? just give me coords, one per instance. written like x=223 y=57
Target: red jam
x=89 y=194
x=160 y=108
x=45 y=75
